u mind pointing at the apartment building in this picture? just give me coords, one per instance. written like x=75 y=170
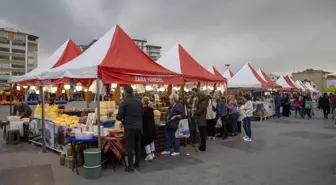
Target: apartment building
x=18 y=54
x=153 y=51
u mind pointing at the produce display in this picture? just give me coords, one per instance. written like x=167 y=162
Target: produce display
x=66 y=120
x=51 y=112
x=107 y=109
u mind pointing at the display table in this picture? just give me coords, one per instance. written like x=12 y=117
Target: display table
x=73 y=141
x=55 y=135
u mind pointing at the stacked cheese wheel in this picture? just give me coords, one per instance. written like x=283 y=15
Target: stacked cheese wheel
x=106 y=110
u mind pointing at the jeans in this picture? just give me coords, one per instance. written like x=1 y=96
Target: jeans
x=133 y=143
x=170 y=135
x=203 y=135
x=211 y=123
x=308 y=112
x=297 y=110
x=277 y=110
x=234 y=119
x=195 y=132
x=224 y=130
x=247 y=126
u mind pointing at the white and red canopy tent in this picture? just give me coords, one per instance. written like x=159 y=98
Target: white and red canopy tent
x=115 y=58
x=212 y=69
x=291 y=82
x=228 y=74
x=301 y=84
x=264 y=76
x=178 y=60
x=311 y=88
x=247 y=77
x=284 y=84
x=65 y=53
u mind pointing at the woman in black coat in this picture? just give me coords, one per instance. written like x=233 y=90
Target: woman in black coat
x=149 y=130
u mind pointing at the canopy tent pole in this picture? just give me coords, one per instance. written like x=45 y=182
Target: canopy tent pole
x=43 y=119
x=98 y=111
x=11 y=99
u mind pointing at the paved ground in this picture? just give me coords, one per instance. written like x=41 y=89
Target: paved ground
x=284 y=151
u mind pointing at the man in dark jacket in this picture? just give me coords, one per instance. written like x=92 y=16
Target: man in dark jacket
x=324 y=103
x=200 y=118
x=23 y=109
x=130 y=113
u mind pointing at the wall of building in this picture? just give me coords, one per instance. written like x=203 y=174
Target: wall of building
x=18 y=54
x=316 y=77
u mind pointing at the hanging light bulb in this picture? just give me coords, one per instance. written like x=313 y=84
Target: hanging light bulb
x=63 y=91
x=176 y=88
x=219 y=88
x=53 y=89
x=162 y=89
x=25 y=86
x=32 y=87
x=186 y=89
x=114 y=85
x=44 y=88
x=67 y=86
x=79 y=87
x=37 y=92
x=85 y=90
x=122 y=90
x=18 y=88
x=133 y=86
x=204 y=88
x=148 y=87
x=74 y=90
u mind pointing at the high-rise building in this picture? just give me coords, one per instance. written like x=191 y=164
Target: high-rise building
x=153 y=51
x=18 y=54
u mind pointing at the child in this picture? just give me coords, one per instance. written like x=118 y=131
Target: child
x=297 y=105
x=308 y=106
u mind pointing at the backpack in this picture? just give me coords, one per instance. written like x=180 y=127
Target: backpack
x=308 y=104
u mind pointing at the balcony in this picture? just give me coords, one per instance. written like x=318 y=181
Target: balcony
x=4 y=45
x=18 y=47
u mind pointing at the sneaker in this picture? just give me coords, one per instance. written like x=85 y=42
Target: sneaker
x=149 y=158
x=129 y=169
x=153 y=155
x=245 y=137
x=213 y=138
x=165 y=153
x=248 y=139
x=196 y=149
x=175 y=154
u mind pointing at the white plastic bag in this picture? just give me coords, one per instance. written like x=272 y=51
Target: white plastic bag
x=183 y=130
x=219 y=123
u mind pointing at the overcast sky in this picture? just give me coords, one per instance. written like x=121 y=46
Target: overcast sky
x=275 y=35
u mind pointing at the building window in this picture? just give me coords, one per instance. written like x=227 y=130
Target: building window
x=4 y=73
x=18 y=58
x=18 y=73
x=4 y=49
x=4 y=34
x=18 y=44
x=18 y=51
x=4 y=57
x=4 y=66
x=17 y=66
x=19 y=36
x=3 y=81
x=4 y=41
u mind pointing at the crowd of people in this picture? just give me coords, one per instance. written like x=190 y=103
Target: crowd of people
x=204 y=112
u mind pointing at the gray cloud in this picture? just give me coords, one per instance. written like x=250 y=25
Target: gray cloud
x=277 y=36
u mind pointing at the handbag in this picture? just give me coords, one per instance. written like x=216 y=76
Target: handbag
x=213 y=107
x=183 y=130
x=173 y=124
